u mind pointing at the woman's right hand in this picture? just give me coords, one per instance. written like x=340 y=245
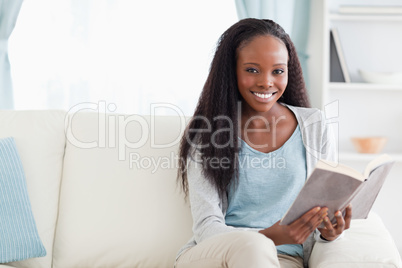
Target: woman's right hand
x=298 y=231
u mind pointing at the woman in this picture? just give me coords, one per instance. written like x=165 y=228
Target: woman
x=247 y=152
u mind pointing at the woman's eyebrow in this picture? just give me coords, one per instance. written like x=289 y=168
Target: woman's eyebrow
x=253 y=63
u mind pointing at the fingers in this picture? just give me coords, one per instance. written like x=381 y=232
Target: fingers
x=312 y=217
x=299 y=230
x=311 y=213
x=348 y=216
x=319 y=217
x=329 y=229
x=340 y=222
x=329 y=232
x=311 y=220
x=332 y=231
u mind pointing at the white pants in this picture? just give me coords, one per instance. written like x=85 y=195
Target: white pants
x=236 y=250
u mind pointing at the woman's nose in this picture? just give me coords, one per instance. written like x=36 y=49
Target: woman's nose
x=266 y=81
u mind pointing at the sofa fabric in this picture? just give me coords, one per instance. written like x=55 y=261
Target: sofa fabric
x=115 y=215
x=365 y=244
x=40 y=140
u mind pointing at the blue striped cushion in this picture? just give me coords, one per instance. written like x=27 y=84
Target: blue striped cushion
x=19 y=238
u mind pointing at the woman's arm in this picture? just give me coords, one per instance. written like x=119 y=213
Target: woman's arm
x=206 y=205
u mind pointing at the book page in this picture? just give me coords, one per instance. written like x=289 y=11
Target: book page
x=340 y=168
x=376 y=163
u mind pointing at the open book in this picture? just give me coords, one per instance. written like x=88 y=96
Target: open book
x=337 y=186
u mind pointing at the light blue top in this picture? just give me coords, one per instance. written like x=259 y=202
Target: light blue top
x=268 y=184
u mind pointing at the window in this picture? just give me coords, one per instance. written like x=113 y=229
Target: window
x=124 y=52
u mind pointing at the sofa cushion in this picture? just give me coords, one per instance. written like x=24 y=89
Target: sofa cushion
x=119 y=203
x=40 y=140
x=18 y=233
x=378 y=249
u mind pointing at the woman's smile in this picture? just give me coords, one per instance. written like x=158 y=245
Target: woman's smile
x=264 y=96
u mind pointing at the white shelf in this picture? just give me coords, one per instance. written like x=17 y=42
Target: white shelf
x=364 y=86
x=352 y=156
x=365 y=17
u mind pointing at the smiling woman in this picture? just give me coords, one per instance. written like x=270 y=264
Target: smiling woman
x=256 y=84
x=130 y=53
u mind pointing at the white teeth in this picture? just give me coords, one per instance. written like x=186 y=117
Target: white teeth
x=264 y=96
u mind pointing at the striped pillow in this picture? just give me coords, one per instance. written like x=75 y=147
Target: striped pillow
x=19 y=238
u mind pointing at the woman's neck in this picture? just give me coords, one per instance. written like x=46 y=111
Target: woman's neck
x=262 y=120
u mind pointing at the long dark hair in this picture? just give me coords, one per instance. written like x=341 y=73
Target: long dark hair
x=217 y=106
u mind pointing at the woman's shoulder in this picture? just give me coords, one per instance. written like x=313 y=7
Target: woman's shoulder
x=317 y=133
x=306 y=115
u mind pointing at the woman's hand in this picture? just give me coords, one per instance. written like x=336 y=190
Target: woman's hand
x=331 y=232
x=298 y=231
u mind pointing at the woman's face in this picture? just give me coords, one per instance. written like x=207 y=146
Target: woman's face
x=262 y=73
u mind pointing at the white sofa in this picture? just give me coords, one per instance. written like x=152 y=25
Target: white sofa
x=103 y=193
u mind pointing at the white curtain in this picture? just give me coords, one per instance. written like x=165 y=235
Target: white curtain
x=129 y=54
x=292 y=15
x=9 y=10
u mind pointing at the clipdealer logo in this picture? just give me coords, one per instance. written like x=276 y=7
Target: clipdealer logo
x=112 y=128
x=112 y=132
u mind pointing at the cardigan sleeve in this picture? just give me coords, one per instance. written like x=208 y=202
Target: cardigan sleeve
x=329 y=145
x=207 y=208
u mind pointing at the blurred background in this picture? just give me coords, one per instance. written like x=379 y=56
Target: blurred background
x=130 y=53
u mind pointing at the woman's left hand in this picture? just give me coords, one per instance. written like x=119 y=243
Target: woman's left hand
x=331 y=232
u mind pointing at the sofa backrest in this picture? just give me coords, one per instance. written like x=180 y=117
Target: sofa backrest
x=40 y=141
x=119 y=202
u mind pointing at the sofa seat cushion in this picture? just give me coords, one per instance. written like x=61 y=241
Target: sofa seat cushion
x=40 y=140
x=378 y=249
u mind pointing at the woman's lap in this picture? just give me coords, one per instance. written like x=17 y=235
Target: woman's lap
x=236 y=250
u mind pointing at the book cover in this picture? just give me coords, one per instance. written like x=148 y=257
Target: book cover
x=335 y=187
x=338 y=68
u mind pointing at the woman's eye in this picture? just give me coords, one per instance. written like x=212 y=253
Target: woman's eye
x=251 y=70
x=279 y=71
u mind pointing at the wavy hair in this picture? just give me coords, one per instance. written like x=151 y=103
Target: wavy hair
x=217 y=106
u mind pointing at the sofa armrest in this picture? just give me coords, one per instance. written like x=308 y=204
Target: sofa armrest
x=367 y=243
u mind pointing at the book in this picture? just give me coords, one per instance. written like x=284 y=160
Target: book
x=335 y=186
x=377 y=10
x=338 y=68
